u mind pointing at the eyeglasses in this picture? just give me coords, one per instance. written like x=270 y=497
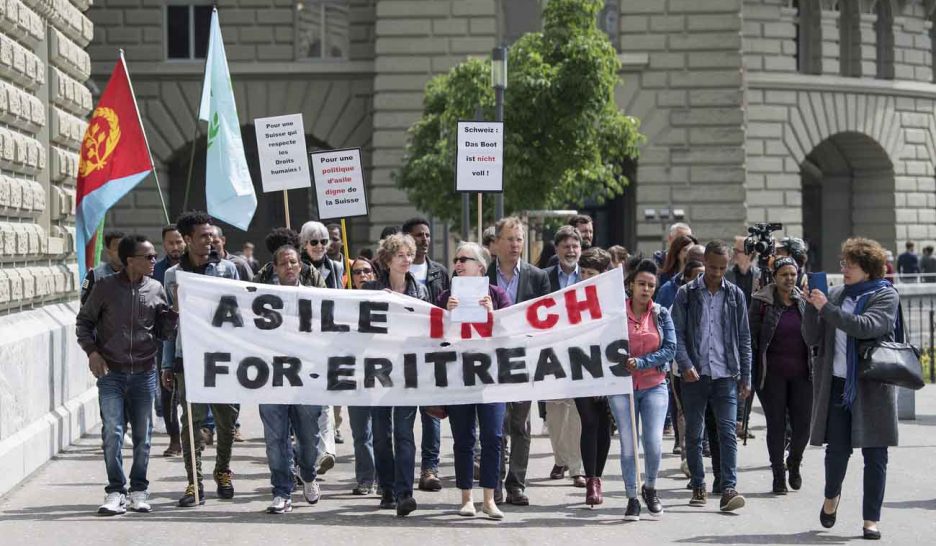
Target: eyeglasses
x=314 y=242
x=150 y=257
x=844 y=265
x=463 y=259
x=367 y=271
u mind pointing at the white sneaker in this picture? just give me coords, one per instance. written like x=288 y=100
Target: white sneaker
x=310 y=491
x=280 y=505
x=114 y=505
x=138 y=501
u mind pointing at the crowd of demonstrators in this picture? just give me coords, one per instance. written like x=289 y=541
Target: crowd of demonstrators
x=703 y=333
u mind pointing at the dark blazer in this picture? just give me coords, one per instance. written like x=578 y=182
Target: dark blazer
x=553 y=273
x=437 y=279
x=533 y=282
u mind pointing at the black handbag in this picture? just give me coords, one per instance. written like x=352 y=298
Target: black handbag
x=891 y=363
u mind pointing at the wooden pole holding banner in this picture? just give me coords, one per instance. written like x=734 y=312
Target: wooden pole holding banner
x=286 y=207
x=480 y=216
x=347 y=251
x=633 y=420
x=191 y=439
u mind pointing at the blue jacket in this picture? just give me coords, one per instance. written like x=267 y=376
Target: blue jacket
x=666 y=295
x=687 y=317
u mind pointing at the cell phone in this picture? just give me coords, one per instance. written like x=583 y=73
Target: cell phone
x=818 y=281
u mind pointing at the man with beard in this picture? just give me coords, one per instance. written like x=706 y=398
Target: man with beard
x=435 y=278
x=562 y=418
x=586 y=230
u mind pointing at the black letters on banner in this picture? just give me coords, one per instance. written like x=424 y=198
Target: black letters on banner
x=227 y=311
x=368 y=314
x=410 y=377
x=507 y=365
x=263 y=306
x=379 y=369
x=339 y=367
x=328 y=318
x=288 y=367
x=243 y=369
x=548 y=364
x=476 y=365
x=305 y=315
x=440 y=360
x=212 y=370
x=618 y=352
x=591 y=362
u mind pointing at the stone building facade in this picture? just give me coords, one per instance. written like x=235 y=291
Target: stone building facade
x=47 y=397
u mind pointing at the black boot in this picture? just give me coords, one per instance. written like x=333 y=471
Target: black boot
x=779 y=481
x=796 y=479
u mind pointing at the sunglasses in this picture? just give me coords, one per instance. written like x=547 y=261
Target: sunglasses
x=322 y=242
x=463 y=259
x=367 y=271
x=150 y=257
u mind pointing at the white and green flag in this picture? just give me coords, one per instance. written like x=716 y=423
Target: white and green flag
x=229 y=192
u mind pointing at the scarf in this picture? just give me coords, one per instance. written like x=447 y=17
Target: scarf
x=861 y=292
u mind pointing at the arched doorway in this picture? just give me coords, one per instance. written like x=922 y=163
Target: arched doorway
x=270 y=211
x=848 y=190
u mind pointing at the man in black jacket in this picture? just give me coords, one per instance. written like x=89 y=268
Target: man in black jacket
x=435 y=278
x=522 y=282
x=119 y=327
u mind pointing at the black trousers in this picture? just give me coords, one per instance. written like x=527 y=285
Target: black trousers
x=170 y=413
x=839 y=450
x=782 y=397
x=596 y=433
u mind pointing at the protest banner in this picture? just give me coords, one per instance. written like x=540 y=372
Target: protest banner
x=339 y=188
x=282 y=152
x=247 y=343
x=479 y=160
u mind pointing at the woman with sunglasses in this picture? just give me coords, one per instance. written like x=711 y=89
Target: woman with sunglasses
x=365 y=474
x=472 y=261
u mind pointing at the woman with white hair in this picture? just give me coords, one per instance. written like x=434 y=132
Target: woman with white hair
x=471 y=260
x=314 y=240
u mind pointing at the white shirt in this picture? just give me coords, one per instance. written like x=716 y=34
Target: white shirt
x=420 y=272
x=840 y=361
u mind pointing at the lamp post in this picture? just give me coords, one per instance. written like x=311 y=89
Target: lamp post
x=499 y=82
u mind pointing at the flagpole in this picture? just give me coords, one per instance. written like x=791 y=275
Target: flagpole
x=136 y=107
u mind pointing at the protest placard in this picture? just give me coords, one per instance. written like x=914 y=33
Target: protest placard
x=281 y=148
x=339 y=183
x=248 y=343
x=479 y=161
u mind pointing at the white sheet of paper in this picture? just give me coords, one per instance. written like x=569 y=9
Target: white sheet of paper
x=469 y=291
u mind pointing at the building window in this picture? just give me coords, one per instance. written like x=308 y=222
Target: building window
x=849 y=38
x=808 y=23
x=323 y=29
x=187 y=29
x=884 y=34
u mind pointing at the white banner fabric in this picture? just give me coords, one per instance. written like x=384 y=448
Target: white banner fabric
x=249 y=343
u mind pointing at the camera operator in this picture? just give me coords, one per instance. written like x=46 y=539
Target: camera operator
x=743 y=273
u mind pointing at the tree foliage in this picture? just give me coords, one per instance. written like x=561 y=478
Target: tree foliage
x=565 y=140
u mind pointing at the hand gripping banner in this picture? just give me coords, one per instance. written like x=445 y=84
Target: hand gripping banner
x=249 y=343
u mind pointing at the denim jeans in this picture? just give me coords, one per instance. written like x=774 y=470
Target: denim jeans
x=364 y=469
x=722 y=395
x=126 y=398
x=395 y=448
x=278 y=420
x=651 y=406
x=431 y=441
x=490 y=418
x=839 y=450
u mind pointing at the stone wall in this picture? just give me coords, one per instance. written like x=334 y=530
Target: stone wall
x=46 y=394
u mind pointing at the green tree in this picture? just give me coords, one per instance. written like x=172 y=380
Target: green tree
x=565 y=138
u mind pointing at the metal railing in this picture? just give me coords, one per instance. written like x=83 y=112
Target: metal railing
x=918 y=303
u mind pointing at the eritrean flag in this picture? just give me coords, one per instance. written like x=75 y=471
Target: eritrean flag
x=114 y=159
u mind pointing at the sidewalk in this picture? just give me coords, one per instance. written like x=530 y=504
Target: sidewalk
x=57 y=504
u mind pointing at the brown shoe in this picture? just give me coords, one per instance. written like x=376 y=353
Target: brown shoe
x=429 y=481
x=579 y=481
x=557 y=472
x=731 y=500
x=174 y=450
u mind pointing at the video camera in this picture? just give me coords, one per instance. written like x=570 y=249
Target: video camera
x=761 y=242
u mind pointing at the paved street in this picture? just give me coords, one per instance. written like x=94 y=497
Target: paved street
x=57 y=504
